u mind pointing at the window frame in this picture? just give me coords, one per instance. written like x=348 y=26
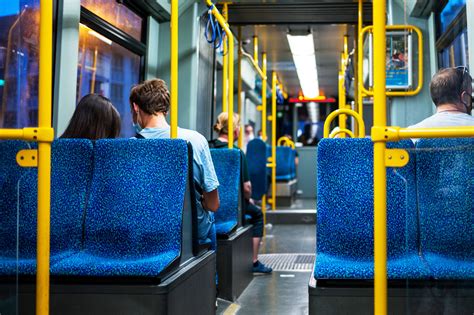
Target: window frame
x=118 y=36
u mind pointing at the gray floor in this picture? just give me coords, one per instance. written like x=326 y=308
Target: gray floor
x=301 y=204
x=282 y=292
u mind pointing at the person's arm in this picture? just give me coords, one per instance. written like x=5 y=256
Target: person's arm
x=210 y=200
x=248 y=190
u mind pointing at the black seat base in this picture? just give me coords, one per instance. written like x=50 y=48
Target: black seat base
x=404 y=297
x=190 y=290
x=234 y=263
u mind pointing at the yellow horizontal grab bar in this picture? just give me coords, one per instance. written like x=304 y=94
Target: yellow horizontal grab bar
x=343 y=130
x=397 y=133
x=254 y=64
x=419 y=86
x=28 y=134
x=337 y=112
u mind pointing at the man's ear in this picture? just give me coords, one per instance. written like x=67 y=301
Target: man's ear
x=135 y=107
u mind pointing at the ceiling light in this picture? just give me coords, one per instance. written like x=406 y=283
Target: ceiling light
x=101 y=37
x=304 y=57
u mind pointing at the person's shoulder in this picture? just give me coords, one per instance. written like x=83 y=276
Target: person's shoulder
x=192 y=136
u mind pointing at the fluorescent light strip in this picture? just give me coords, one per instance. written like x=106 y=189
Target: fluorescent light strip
x=304 y=57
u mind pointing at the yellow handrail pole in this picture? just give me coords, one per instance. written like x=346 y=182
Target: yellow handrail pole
x=380 y=172
x=255 y=65
x=346 y=131
x=360 y=57
x=174 y=69
x=394 y=133
x=285 y=141
x=255 y=50
x=44 y=156
x=239 y=86
x=337 y=112
x=342 y=98
x=225 y=65
x=230 y=37
x=274 y=139
x=264 y=98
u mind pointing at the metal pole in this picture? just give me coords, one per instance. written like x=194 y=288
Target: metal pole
x=174 y=68
x=225 y=65
x=239 y=86
x=274 y=139
x=264 y=98
x=360 y=56
x=380 y=172
x=44 y=156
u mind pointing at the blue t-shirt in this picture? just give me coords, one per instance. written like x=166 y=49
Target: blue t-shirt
x=203 y=169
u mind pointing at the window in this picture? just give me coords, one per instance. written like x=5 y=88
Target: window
x=451 y=40
x=110 y=54
x=19 y=48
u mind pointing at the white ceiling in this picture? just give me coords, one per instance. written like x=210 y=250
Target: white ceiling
x=328 y=43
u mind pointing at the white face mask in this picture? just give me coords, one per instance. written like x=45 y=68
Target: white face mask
x=250 y=137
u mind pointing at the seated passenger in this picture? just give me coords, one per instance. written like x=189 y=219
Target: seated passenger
x=221 y=127
x=451 y=91
x=94 y=118
x=150 y=103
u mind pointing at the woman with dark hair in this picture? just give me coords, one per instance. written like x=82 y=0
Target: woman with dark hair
x=94 y=118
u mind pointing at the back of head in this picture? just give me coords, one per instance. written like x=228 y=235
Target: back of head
x=94 y=118
x=448 y=84
x=151 y=96
x=222 y=124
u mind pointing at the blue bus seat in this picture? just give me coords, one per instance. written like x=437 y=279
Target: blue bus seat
x=345 y=214
x=10 y=175
x=71 y=173
x=227 y=164
x=257 y=166
x=133 y=224
x=285 y=158
x=445 y=178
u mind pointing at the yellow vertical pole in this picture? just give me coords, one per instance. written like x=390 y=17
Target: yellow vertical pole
x=94 y=71
x=274 y=139
x=342 y=100
x=44 y=156
x=360 y=56
x=380 y=179
x=174 y=68
x=264 y=98
x=231 y=89
x=225 y=65
x=239 y=86
x=255 y=49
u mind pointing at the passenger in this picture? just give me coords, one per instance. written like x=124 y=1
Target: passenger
x=221 y=127
x=297 y=156
x=451 y=91
x=249 y=135
x=150 y=103
x=94 y=118
x=260 y=134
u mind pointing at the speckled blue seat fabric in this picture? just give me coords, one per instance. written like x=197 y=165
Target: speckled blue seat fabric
x=10 y=175
x=257 y=166
x=285 y=163
x=227 y=165
x=345 y=214
x=71 y=173
x=445 y=178
x=133 y=224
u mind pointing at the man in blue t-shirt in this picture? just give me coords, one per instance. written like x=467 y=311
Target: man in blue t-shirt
x=150 y=102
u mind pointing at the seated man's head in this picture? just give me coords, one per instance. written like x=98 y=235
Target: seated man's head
x=249 y=132
x=452 y=87
x=147 y=99
x=222 y=125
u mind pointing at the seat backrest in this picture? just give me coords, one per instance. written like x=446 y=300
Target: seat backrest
x=227 y=163
x=284 y=159
x=71 y=174
x=257 y=166
x=135 y=207
x=10 y=175
x=345 y=200
x=445 y=180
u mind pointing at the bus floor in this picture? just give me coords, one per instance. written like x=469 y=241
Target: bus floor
x=289 y=250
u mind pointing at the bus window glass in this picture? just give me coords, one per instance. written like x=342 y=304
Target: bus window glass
x=108 y=69
x=456 y=53
x=116 y=14
x=19 y=47
x=450 y=12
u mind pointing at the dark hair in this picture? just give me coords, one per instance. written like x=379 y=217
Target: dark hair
x=94 y=118
x=448 y=84
x=152 y=96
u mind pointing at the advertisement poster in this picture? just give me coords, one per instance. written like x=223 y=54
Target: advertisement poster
x=398 y=60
